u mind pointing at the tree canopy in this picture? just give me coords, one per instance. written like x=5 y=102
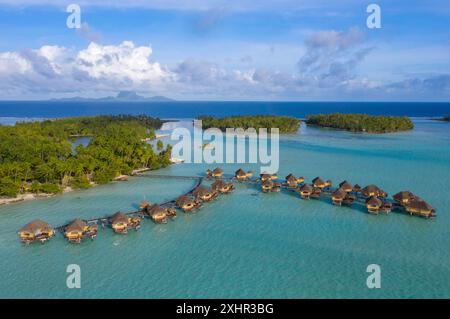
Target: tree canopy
x=38 y=156
x=285 y=124
x=362 y=122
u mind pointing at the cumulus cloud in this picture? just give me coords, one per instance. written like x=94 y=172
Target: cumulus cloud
x=98 y=67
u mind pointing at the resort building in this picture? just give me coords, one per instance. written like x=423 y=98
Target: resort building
x=318 y=183
x=37 y=230
x=291 y=181
x=157 y=213
x=306 y=191
x=373 y=190
x=356 y=188
x=79 y=229
x=421 y=208
x=217 y=172
x=338 y=196
x=373 y=204
x=186 y=203
x=204 y=194
x=346 y=186
x=120 y=222
x=267 y=185
x=222 y=187
x=264 y=177
x=404 y=197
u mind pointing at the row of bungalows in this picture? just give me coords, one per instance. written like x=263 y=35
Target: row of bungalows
x=343 y=194
x=241 y=175
x=37 y=230
x=79 y=229
x=121 y=223
x=414 y=205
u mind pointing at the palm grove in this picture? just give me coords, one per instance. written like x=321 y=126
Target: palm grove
x=39 y=157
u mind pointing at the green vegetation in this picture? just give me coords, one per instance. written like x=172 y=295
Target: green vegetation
x=285 y=124
x=362 y=122
x=38 y=157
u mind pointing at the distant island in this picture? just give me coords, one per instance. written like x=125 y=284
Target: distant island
x=122 y=96
x=445 y=118
x=38 y=158
x=285 y=124
x=362 y=122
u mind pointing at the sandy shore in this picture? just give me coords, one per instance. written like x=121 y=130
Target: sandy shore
x=30 y=196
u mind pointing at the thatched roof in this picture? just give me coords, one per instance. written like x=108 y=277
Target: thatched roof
x=346 y=186
x=318 y=181
x=119 y=217
x=356 y=188
x=240 y=172
x=372 y=189
x=404 y=195
x=217 y=170
x=267 y=183
x=201 y=191
x=265 y=176
x=36 y=226
x=339 y=193
x=184 y=200
x=144 y=204
x=156 y=209
x=77 y=225
x=291 y=178
x=420 y=205
x=306 y=188
x=374 y=201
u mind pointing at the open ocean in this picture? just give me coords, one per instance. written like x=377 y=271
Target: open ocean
x=249 y=244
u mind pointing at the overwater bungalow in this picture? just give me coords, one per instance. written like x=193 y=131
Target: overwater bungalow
x=404 y=197
x=119 y=223
x=421 y=208
x=265 y=177
x=306 y=191
x=328 y=183
x=74 y=232
x=356 y=188
x=346 y=186
x=349 y=199
x=300 y=180
x=386 y=207
x=222 y=187
x=37 y=230
x=171 y=212
x=338 y=196
x=204 y=194
x=267 y=186
x=291 y=181
x=186 y=203
x=217 y=172
x=318 y=183
x=316 y=193
x=373 y=190
x=276 y=187
x=373 y=204
x=240 y=175
x=135 y=222
x=144 y=204
x=249 y=174
x=157 y=214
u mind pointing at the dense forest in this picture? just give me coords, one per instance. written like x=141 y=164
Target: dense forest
x=39 y=157
x=285 y=124
x=362 y=122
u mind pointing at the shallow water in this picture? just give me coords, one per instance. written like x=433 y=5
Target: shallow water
x=250 y=244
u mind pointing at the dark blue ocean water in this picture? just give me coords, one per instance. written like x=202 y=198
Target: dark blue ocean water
x=190 y=109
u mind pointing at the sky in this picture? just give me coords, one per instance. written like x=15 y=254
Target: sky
x=285 y=50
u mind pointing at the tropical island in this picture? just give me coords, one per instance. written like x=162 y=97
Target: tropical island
x=285 y=124
x=445 y=118
x=362 y=122
x=40 y=158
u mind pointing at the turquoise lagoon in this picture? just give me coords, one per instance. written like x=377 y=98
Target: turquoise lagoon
x=249 y=244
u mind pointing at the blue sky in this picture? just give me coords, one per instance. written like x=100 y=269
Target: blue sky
x=226 y=50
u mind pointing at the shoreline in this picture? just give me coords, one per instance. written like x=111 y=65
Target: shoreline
x=31 y=196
